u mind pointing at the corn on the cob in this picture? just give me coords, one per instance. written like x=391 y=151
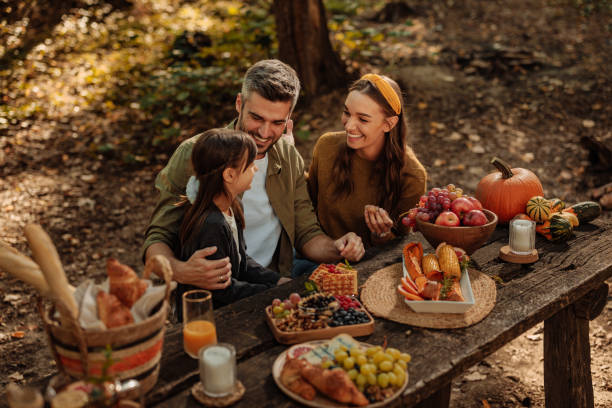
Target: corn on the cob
x=449 y=263
x=430 y=263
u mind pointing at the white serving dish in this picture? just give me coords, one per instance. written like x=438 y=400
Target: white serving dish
x=443 y=306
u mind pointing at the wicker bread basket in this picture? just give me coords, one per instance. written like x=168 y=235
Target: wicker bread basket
x=136 y=348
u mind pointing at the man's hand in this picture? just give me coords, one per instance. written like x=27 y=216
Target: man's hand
x=288 y=135
x=350 y=246
x=378 y=221
x=202 y=272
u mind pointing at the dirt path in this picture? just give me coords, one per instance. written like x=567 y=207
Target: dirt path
x=521 y=81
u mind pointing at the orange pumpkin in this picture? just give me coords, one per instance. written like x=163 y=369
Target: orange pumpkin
x=507 y=191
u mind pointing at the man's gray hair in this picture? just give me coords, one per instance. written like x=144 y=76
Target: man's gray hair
x=273 y=80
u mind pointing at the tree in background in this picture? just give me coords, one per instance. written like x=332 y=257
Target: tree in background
x=303 y=43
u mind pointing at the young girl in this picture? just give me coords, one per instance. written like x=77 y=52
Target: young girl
x=362 y=179
x=223 y=163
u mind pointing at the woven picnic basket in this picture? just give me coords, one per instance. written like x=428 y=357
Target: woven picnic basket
x=136 y=348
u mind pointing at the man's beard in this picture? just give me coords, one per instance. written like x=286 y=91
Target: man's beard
x=240 y=126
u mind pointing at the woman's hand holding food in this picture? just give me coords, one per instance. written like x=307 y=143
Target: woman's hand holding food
x=378 y=221
x=350 y=246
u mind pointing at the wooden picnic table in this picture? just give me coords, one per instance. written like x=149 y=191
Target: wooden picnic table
x=565 y=288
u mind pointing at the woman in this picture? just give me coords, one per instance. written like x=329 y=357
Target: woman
x=362 y=179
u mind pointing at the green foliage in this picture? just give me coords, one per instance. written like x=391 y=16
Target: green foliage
x=206 y=78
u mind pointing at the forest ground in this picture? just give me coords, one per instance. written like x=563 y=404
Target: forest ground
x=523 y=80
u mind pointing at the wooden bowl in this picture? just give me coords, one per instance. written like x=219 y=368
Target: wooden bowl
x=468 y=238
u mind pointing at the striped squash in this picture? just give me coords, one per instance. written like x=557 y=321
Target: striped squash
x=557 y=205
x=538 y=209
x=556 y=229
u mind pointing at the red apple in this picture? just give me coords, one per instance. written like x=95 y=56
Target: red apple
x=475 y=218
x=448 y=219
x=461 y=206
x=477 y=205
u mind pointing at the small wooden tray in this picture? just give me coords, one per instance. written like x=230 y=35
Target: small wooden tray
x=354 y=330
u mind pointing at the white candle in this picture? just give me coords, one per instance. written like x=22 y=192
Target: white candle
x=522 y=236
x=218 y=369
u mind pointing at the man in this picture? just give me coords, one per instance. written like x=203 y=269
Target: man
x=278 y=211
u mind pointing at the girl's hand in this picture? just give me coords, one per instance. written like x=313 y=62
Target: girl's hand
x=378 y=221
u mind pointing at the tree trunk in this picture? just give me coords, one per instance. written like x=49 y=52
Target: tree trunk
x=303 y=43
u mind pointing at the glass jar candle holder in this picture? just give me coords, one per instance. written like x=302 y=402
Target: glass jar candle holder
x=218 y=369
x=522 y=236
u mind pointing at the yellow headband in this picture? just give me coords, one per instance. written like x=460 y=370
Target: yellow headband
x=386 y=90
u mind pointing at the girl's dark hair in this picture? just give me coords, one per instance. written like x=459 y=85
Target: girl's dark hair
x=389 y=165
x=213 y=152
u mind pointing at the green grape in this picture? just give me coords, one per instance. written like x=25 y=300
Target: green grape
x=385 y=366
x=371 y=377
x=398 y=369
x=392 y=379
x=360 y=379
x=343 y=347
x=326 y=363
x=340 y=356
x=394 y=352
x=361 y=360
x=401 y=377
x=402 y=364
x=383 y=380
x=372 y=350
x=378 y=357
x=389 y=357
x=352 y=373
x=278 y=310
x=356 y=351
x=405 y=357
x=364 y=369
x=349 y=363
x=372 y=368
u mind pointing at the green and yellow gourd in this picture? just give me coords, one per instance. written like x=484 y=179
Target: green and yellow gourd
x=585 y=211
x=556 y=204
x=555 y=229
x=538 y=209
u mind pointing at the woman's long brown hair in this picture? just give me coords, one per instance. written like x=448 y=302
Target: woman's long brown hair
x=213 y=152
x=390 y=163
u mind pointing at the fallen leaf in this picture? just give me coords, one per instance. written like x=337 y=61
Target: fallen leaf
x=422 y=105
x=474 y=137
x=588 y=123
x=475 y=376
x=485 y=404
x=439 y=162
x=18 y=334
x=12 y=297
x=534 y=337
x=455 y=136
x=478 y=149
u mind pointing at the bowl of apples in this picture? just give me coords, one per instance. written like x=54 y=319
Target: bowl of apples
x=447 y=215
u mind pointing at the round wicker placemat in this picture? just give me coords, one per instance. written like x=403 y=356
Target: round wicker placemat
x=197 y=391
x=380 y=297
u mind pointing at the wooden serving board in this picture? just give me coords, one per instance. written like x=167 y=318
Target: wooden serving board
x=284 y=337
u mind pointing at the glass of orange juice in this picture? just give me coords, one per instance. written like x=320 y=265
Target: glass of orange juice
x=198 y=321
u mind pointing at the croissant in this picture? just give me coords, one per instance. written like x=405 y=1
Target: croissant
x=124 y=283
x=112 y=312
x=335 y=383
x=290 y=377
